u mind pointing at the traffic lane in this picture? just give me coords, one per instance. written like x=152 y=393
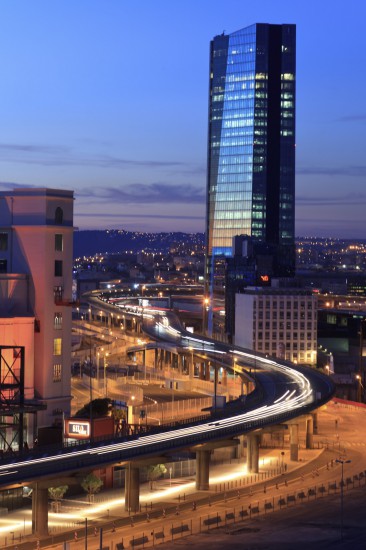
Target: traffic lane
x=163 y=395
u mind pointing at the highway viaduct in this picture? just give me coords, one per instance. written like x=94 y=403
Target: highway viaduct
x=283 y=393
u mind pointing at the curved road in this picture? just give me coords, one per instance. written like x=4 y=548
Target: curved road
x=284 y=391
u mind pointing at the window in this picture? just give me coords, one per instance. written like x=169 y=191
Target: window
x=3 y=266
x=3 y=241
x=57 y=323
x=59 y=242
x=58 y=293
x=57 y=346
x=57 y=370
x=58 y=268
x=59 y=215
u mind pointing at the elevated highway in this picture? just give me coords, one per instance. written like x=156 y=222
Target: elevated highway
x=283 y=392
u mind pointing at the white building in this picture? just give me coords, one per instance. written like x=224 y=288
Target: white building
x=281 y=323
x=36 y=243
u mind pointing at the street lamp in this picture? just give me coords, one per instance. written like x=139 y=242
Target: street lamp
x=105 y=375
x=234 y=366
x=206 y=305
x=342 y=463
x=359 y=388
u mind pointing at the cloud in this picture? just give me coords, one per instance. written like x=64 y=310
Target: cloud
x=154 y=193
x=136 y=216
x=350 y=199
x=354 y=171
x=9 y=185
x=63 y=156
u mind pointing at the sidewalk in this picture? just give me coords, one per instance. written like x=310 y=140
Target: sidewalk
x=172 y=495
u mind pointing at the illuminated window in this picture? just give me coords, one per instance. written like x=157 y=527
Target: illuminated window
x=58 y=293
x=57 y=323
x=57 y=370
x=57 y=346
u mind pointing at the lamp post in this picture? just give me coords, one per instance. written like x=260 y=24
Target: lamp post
x=234 y=368
x=215 y=386
x=105 y=375
x=359 y=388
x=342 y=463
x=206 y=305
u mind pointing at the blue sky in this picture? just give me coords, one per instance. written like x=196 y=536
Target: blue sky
x=110 y=98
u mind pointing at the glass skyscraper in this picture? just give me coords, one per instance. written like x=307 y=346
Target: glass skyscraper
x=251 y=143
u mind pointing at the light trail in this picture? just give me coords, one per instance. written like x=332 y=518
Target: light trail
x=297 y=396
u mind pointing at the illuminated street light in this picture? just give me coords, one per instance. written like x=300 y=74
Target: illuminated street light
x=206 y=305
x=105 y=375
x=234 y=366
x=359 y=388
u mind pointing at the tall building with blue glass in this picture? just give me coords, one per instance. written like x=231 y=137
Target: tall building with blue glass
x=251 y=143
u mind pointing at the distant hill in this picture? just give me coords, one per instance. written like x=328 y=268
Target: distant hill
x=88 y=243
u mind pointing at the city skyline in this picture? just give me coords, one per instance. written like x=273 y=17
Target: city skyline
x=112 y=103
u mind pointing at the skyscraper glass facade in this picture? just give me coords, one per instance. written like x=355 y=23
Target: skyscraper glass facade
x=251 y=144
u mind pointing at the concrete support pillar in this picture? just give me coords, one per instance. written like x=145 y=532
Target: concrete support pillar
x=202 y=470
x=207 y=371
x=132 y=488
x=315 y=423
x=202 y=371
x=180 y=363
x=253 y=453
x=39 y=511
x=294 y=442
x=191 y=366
x=309 y=433
x=239 y=449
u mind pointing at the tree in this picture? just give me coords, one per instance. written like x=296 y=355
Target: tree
x=99 y=407
x=91 y=485
x=154 y=473
x=56 y=494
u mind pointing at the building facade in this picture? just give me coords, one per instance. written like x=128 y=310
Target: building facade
x=280 y=323
x=36 y=244
x=251 y=143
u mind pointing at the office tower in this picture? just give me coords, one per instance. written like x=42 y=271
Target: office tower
x=251 y=144
x=36 y=243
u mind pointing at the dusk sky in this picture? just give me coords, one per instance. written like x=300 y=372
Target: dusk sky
x=109 y=98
